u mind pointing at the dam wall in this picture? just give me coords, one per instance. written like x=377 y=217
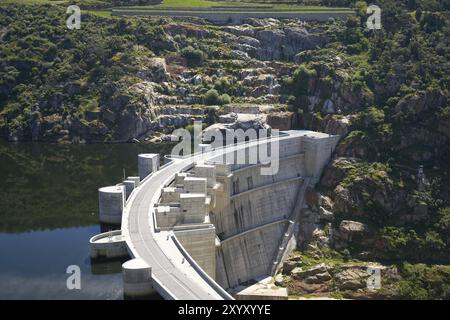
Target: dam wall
x=246 y=258
x=254 y=212
x=199 y=242
x=318 y=152
x=256 y=207
x=232 y=222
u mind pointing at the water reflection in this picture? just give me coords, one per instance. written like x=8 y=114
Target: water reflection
x=107 y=266
x=48 y=212
x=48 y=186
x=34 y=265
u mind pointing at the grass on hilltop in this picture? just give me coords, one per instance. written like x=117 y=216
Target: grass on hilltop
x=56 y=2
x=181 y=4
x=209 y=3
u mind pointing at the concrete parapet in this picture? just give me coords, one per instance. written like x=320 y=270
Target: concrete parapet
x=108 y=245
x=147 y=164
x=137 y=278
x=111 y=202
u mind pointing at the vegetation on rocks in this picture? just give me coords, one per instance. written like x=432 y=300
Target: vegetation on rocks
x=383 y=199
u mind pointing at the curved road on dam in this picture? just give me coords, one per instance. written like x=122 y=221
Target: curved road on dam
x=173 y=276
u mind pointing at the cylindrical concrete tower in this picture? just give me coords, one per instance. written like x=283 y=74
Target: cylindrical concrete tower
x=147 y=163
x=111 y=201
x=137 y=278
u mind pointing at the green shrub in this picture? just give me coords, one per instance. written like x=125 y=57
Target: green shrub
x=222 y=85
x=224 y=99
x=194 y=57
x=300 y=80
x=212 y=97
x=421 y=282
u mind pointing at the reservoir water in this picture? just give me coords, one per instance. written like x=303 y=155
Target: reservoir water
x=48 y=212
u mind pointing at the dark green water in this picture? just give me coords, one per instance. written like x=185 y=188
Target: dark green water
x=48 y=212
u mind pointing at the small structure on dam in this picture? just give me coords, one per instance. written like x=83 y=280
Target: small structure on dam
x=111 y=201
x=109 y=245
x=230 y=224
x=137 y=279
x=147 y=163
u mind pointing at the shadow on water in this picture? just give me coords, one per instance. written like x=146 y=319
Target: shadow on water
x=107 y=266
x=105 y=227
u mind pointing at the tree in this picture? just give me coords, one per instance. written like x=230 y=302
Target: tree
x=212 y=97
x=194 y=57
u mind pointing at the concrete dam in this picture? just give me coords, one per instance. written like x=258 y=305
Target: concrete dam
x=204 y=227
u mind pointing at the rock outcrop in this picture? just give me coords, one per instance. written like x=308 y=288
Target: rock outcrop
x=281 y=120
x=349 y=280
x=278 y=43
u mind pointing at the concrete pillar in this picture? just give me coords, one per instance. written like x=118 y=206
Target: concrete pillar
x=129 y=187
x=137 y=278
x=204 y=147
x=318 y=152
x=170 y=195
x=111 y=201
x=179 y=177
x=167 y=216
x=193 y=207
x=137 y=180
x=195 y=185
x=147 y=163
x=206 y=171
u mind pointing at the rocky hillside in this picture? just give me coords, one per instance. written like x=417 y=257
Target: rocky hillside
x=385 y=196
x=383 y=200
x=122 y=79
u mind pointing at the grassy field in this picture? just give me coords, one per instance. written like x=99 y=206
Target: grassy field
x=208 y=4
x=322 y=10
x=180 y=4
x=189 y=6
x=56 y=2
